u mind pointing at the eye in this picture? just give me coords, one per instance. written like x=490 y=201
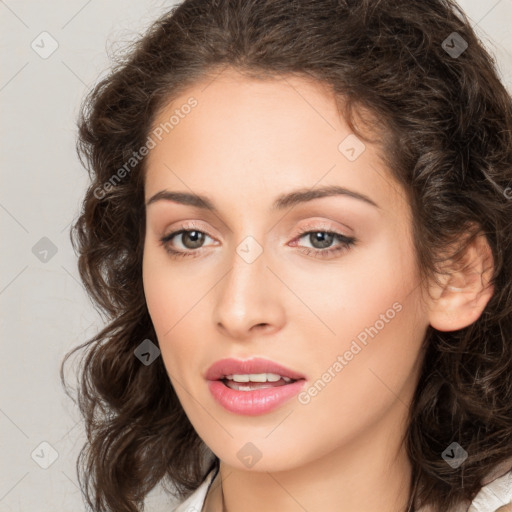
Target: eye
x=191 y=239
x=321 y=241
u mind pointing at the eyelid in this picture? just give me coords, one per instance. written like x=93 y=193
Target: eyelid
x=323 y=225
x=190 y=225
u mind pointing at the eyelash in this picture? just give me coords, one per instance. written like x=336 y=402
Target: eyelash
x=346 y=242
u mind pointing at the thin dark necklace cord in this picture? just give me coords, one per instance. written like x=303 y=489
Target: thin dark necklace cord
x=223 y=503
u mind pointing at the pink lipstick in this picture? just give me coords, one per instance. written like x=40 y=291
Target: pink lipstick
x=252 y=387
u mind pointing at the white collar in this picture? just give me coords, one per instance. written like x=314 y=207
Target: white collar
x=490 y=498
x=195 y=502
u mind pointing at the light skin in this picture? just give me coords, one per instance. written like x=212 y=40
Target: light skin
x=246 y=143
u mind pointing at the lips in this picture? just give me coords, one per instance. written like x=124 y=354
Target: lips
x=252 y=398
x=220 y=369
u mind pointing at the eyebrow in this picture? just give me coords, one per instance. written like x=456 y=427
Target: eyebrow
x=283 y=201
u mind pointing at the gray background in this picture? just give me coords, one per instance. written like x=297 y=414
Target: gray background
x=44 y=308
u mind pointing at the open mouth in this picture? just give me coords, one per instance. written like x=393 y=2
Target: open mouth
x=253 y=386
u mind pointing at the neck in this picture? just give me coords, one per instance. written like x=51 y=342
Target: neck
x=371 y=472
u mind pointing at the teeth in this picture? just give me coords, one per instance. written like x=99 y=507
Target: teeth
x=257 y=377
x=241 y=387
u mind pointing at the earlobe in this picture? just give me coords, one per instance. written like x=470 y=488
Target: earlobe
x=460 y=298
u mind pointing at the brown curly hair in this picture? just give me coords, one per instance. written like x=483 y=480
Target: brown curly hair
x=447 y=137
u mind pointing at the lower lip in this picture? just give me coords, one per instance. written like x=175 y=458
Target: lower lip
x=257 y=401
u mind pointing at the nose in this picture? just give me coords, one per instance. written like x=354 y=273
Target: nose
x=249 y=300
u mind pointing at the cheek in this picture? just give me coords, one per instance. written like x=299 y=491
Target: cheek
x=168 y=309
x=366 y=374
x=156 y=292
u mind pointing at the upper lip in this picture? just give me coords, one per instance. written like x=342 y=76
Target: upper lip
x=229 y=366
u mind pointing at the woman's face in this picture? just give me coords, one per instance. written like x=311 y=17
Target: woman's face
x=346 y=316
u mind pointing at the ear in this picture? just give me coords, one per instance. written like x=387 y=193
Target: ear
x=465 y=290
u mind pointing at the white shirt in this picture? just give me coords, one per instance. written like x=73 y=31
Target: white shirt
x=491 y=497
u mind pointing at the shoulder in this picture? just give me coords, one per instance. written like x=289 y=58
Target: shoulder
x=494 y=496
x=195 y=502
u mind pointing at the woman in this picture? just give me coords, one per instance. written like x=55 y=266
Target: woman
x=299 y=228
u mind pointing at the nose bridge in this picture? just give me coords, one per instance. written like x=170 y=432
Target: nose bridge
x=247 y=297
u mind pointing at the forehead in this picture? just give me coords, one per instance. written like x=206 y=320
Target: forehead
x=281 y=112
x=259 y=134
